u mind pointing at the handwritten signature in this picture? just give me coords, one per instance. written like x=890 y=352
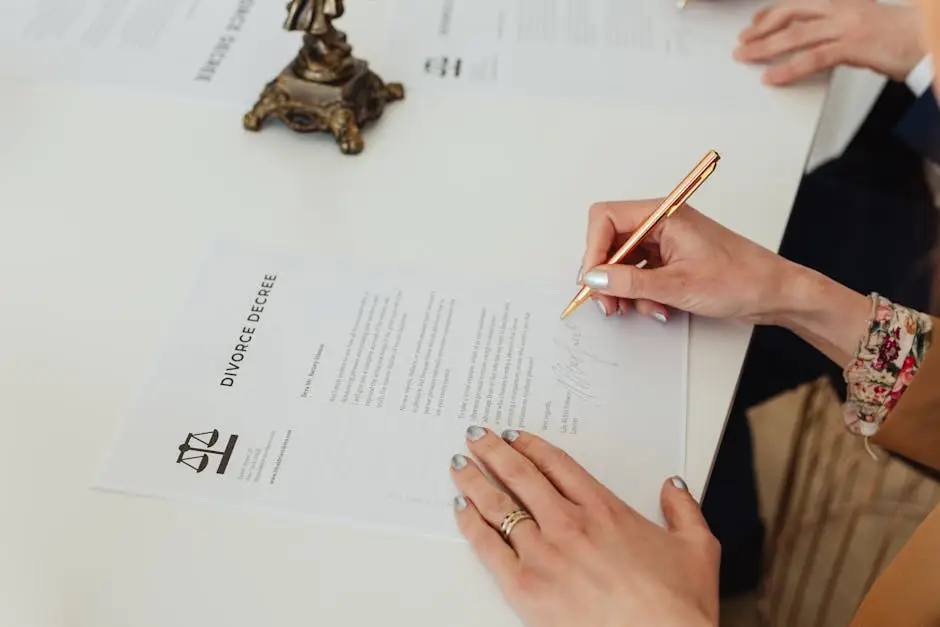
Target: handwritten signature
x=577 y=366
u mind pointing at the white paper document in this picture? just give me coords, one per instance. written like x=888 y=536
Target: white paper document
x=212 y=50
x=339 y=394
x=624 y=51
x=630 y=51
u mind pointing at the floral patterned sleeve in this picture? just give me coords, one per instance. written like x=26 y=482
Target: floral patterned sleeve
x=885 y=362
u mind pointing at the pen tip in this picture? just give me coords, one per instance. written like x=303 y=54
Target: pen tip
x=571 y=307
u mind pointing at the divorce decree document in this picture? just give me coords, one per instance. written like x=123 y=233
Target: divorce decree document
x=340 y=394
x=645 y=52
x=201 y=50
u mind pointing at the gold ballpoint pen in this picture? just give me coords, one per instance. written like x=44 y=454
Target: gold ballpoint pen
x=669 y=206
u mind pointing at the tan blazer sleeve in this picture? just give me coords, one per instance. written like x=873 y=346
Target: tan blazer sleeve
x=905 y=594
x=913 y=428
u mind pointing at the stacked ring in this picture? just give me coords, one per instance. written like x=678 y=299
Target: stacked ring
x=511 y=520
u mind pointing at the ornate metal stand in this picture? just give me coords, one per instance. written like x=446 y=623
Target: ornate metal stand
x=325 y=88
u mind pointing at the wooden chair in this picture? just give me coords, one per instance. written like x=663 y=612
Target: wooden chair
x=840 y=517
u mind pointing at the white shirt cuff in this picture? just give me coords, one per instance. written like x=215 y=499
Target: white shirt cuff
x=921 y=77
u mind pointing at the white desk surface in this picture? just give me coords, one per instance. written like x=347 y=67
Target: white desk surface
x=109 y=200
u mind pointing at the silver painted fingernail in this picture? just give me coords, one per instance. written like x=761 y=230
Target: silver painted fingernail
x=460 y=503
x=458 y=462
x=601 y=306
x=597 y=279
x=680 y=483
x=580 y=275
x=510 y=435
x=474 y=433
x=660 y=317
x=642 y=264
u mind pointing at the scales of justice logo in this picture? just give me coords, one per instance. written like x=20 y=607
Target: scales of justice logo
x=443 y=66
x=198 y=449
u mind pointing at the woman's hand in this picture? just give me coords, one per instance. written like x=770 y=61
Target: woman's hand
x=588 y=559
x=821 y=34
x=696 y=265
x=701 y=267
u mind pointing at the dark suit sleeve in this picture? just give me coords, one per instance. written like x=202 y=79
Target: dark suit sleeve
x=920 y=127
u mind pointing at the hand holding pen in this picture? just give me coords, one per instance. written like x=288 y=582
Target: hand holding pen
x=666 y=208
x=701 y=267
x=695 y=265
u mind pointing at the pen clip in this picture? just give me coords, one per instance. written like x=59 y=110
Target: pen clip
x=691 y=189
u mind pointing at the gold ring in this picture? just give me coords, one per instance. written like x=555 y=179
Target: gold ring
x=512 y=519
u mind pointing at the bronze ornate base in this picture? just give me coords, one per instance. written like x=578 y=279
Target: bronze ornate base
x=341 y=109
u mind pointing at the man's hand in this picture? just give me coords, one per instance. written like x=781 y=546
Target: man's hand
x=804 y=37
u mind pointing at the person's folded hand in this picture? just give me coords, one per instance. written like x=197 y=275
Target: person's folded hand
x=803 y=37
